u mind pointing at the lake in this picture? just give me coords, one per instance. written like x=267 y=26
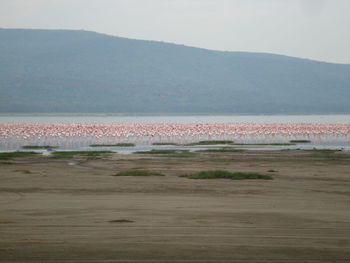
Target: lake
x=106 y=118
x=78 y=132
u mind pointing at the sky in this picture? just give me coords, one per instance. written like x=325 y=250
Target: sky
x=314 y=29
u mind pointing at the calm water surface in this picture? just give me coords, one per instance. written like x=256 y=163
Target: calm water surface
x=181 y=119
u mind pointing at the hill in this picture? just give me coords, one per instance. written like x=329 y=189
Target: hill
x=82 y=71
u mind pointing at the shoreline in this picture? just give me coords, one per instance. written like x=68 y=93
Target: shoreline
x=73 y=209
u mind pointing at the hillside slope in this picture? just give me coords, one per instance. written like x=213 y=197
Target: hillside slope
x=82 y=71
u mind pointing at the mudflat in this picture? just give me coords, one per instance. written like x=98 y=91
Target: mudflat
x=74 y=210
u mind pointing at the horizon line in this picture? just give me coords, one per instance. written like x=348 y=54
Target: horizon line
x=177 y=44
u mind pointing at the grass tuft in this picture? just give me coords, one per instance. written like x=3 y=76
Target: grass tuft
x=138 y=173
x=208 y=143
x=114 y=145
x=300 y=141
x=71 y=154
x=227 y=175
x=121 y=221
x=10 y=155
x=222 y=150
x=165 y=143
x=327 y=154
x=315 y=150
x=23 y=171
x=265 y=144
x=7 y=163
x=153 y=151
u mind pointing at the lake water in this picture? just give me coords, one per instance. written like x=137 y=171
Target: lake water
x=345 y=118
x=145 y=143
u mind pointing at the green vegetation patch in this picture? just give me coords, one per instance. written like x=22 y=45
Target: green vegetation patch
x=227 y=175
x=121 y=221
x=23 y=171
x=39 y=147
x=327 y=154
x=7 y=163
x=208 y=143
x=165 y=143
x=300 y=141
x=222 y=150
x=10 y=155
x=138 y=173
x=169 y=153
x=88 y=154
x=195 y=143
x=324 y=150
x=113 y=145
x=266 y=144
x=161 y=151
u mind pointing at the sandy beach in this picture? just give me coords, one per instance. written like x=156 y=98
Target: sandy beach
x=74 y=210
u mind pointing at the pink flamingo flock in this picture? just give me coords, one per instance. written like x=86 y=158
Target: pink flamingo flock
x=177 y=132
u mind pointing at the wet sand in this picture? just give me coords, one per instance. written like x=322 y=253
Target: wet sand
x=73 y=210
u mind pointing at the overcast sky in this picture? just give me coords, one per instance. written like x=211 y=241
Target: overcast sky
x=316 y=29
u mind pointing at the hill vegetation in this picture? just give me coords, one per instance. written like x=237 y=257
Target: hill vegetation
x=82 y=71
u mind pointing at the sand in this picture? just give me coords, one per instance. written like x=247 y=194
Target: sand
x=73 y=210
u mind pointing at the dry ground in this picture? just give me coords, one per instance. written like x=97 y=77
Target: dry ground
x=73 y=210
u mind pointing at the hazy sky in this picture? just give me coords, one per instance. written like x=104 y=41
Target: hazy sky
x=316 y=29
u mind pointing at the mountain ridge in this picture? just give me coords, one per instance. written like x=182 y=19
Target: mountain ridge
x=175 y=44
x=85 y=71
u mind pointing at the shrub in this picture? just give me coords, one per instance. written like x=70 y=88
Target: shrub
x=227 y=175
